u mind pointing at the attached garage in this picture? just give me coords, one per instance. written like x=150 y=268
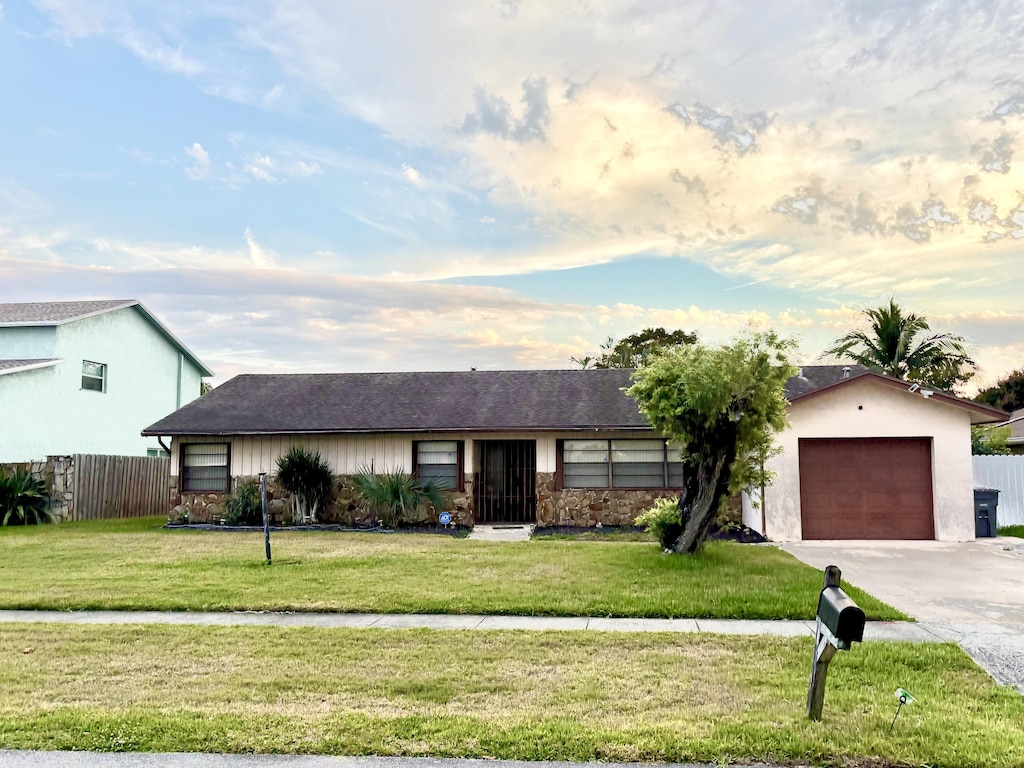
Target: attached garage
x=867 y=456
x=866 y=488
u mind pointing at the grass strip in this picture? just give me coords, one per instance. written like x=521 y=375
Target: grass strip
x=137 y=565
x=1012 y=530
x=514 y=695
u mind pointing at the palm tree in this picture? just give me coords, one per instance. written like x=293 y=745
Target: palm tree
x=901 y=344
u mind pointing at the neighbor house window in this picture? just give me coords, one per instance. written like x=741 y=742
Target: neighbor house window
x=94 y=376
x=439 y=460
x=652 y=463
x=157 y=453
x=205 y=467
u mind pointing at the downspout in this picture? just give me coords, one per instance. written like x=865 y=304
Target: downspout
x=160 y=440
x=764 y=523
x=181 y=363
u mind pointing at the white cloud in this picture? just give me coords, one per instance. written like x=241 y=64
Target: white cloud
x=260 y=167
x=201 y=159
x=412 y=175
x=303 y=169
x=261 y=257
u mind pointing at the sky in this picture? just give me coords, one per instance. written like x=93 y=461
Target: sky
x=320 y=185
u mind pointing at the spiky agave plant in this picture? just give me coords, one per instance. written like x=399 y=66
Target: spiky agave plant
x=394 y=495
x=23 y=499
x=308 y=478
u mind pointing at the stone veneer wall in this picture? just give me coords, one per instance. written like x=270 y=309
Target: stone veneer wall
x=586 y=507
x=568 y=507
x=346 y=508
x=57 y=474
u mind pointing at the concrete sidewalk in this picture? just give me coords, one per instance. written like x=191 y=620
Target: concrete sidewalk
x=875 y=630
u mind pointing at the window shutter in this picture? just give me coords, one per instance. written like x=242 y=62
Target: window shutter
x=415 y=458
x=559 y=450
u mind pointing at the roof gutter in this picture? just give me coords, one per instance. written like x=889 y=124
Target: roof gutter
x=397 y=430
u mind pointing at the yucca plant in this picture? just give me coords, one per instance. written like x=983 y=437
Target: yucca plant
x=395 y=496
x=23 y=499
x=308 y=478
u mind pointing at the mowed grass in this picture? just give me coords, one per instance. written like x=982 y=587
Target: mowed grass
x=137 y=565
x=520 y=695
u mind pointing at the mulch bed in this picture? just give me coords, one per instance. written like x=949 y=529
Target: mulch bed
x=454 y=530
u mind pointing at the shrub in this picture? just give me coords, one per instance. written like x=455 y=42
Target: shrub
x=395 y=497
x=663 y=521
x=308 y=478
x=23 y=499
x=245 y=507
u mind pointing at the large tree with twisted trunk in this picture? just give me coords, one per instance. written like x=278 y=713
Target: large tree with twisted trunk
x=723 y=406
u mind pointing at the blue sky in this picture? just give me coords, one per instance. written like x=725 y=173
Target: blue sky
x=324 y=186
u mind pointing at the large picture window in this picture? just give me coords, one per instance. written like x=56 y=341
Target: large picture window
x=205 y=468
x=440 y=461
x=651 y=463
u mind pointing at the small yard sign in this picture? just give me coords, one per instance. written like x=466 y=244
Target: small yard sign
x=444 y=518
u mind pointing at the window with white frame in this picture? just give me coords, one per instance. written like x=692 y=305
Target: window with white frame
x=205 y=468
x=94 y=376
x=648 y=463
x=440 y=461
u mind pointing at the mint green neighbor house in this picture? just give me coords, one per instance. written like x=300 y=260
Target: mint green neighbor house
x=87 y=377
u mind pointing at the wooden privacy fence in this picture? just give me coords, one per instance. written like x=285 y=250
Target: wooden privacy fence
x=1005 y=473
x=119 y=486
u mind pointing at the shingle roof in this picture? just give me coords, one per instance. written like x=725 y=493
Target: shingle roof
x=390 y=402
x=55 y=312
x=444 y=401
x=815 y=377
x=12 y=366
x=1016 y=424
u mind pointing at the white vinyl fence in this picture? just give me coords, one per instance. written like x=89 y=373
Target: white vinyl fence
x=1006 y=473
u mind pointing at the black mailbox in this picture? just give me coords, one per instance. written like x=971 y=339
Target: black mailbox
x=841 y=616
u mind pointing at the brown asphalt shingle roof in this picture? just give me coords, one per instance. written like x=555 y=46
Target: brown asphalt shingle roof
x=814 y=377
x=394 y=402
x=438 y=402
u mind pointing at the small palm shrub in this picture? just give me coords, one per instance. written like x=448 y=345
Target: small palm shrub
x=245 y=507
x=308 y=478
x=395 y=496
x=23 y=499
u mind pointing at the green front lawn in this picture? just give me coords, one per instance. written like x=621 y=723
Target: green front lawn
x=519 y=695
x=137 y=565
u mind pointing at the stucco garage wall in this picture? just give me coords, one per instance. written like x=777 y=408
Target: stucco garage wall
x=870 y=409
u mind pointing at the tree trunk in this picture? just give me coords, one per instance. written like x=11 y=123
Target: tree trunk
x=706 y=482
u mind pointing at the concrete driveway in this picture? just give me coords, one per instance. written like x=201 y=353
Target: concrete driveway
x=969 y=592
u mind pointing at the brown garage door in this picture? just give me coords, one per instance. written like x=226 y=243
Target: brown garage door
x=866 y=489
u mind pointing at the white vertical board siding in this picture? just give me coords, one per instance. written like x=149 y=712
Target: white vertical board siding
x=1006 y=474
x=349 y=453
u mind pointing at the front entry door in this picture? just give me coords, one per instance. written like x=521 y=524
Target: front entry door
x=505 y=481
